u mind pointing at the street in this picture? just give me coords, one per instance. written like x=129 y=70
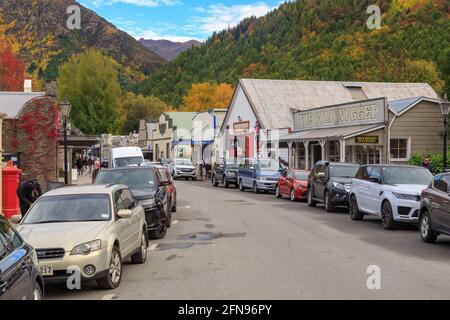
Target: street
x=231 y=245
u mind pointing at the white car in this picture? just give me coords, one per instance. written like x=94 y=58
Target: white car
x=183 y=168
x=92 y=228
x=390 y=192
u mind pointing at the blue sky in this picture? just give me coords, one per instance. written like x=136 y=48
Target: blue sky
x=177 y=20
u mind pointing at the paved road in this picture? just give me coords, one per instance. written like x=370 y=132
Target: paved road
x=232 y=245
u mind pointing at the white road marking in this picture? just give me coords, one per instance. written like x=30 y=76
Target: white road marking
x=109 y=297
x=153 y=247
x=175 y=222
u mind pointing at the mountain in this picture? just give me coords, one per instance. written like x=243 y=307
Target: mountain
x=167 y=49
x=40 y=30
x=318 y=40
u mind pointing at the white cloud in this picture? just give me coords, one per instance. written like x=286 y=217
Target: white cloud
x=218 y=17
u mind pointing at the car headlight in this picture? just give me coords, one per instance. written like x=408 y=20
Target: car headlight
x=86 y=248
x=147 y=202
x=262 y=178
x=341 y=186
x=34 y=257
x=404 y=196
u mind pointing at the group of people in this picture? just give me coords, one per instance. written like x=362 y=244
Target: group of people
x=84 y=164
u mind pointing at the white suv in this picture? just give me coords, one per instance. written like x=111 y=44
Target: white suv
x=390 y=192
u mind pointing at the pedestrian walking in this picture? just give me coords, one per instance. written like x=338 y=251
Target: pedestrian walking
x=201 y=165
x=427 y=164
x=85 y=165
x=96 y=169
x=79 y=164
x=28 y=192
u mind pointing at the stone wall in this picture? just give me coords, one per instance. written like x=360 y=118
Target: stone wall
x=34 y=136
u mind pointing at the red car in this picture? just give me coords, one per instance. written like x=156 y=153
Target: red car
x=293 y=184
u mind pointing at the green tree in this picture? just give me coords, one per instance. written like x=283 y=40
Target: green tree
x=90 y=82
x=137 y=107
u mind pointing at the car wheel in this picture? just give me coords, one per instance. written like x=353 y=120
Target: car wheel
x=277 y=192
x=113 y=275
x=194 y=179
x=214 y=181
x=241 y=186
x=226 y=184
x=427 y=234
x=255 y=188
x=37 y=292
x=292 y=195
x=353 y=208
x=141 y=256
x=311 y=202
x=387 y=218
x=329 y=206
x=174 y=208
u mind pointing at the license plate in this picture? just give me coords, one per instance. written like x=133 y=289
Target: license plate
x=46 y=271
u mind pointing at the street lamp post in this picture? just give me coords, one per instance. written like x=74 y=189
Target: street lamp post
x=445 y=110
x=65 y=111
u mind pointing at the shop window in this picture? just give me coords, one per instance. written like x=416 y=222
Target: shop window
x=301 y=155
x=368 y=155
x=400 y=149
x=334 y=151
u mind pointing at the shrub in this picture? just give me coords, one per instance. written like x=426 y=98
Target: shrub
x=436 y=160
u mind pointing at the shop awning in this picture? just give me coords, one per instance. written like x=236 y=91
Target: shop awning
x=330 y=133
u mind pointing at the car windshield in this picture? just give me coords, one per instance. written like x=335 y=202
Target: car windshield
x=232 y=165
x=134 y=179
x=268 y=165
x=342 y=171
x=183 y=162
x=166 y=161
x=301 y=175
x=406 y=175
x=70 y=208
x=127 y=162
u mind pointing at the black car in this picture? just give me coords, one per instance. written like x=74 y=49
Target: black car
x=329 y=183
x=149 y=186
x=19 y=274
x=434 y=217
x=225 y=174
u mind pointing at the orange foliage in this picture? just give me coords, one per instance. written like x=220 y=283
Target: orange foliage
x=12 y=70
x=206 y=96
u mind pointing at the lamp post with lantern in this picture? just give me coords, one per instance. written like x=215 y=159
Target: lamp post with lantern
x=65 y=112
x=445 y=110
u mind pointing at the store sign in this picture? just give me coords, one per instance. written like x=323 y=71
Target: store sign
x=241 y=127
x=367 y=139
x=352 y=114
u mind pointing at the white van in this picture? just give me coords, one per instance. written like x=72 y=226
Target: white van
x=125 y=157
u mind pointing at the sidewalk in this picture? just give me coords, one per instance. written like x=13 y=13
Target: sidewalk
x=83 y=180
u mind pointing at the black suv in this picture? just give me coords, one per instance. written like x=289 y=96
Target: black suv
x=329 y=183
x=434 y=217
x=19 y=275
x=149 y=186
x=225 y=174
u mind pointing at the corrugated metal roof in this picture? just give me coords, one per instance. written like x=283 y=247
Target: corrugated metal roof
x=12 y=102
x=400 y=106
x=331 y=133
x=274 y=99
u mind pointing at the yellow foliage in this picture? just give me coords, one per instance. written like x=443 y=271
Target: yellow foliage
x=206 y=96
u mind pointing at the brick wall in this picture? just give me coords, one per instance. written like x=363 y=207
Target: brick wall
x=34 y=135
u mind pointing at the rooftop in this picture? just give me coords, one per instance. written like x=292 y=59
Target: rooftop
x=11 y=103
x=83 y=189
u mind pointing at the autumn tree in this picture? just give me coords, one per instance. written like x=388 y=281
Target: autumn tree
x=91 y=83
x=205 y=96
x=12 y=70
x=137 y=107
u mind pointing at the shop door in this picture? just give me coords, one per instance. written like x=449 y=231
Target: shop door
x=317 y=153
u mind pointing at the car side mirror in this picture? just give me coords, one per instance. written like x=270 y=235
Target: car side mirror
x=16 y=219
x=125 y=214
x=252 y=168
x=374 y=180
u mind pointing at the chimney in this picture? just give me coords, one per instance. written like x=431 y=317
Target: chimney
x=50 y=88
x=28 y=86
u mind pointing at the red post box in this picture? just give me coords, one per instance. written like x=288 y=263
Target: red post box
x=10 y=183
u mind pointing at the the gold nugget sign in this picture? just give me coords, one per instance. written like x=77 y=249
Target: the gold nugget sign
x=367 y=139
x=360 y=113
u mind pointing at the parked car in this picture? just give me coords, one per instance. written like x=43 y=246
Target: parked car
x=434 y=216
x=225 y=174
x=19 y=272
x=183 y=168
x=293 y=184
x=168 y=163
x=259 y=175
x=390 y=192
x=329 y=183
x=92 y=227
x=151 y=186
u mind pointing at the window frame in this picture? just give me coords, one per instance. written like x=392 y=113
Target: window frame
x=408 y=149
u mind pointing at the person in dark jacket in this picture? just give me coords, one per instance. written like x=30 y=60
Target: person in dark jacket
x=426 y=164
x=28 y=192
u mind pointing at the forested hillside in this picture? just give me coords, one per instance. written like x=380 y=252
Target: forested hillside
x=319 y=40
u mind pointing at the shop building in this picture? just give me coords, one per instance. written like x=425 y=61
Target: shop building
x=205 y=129
x=301 y=122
